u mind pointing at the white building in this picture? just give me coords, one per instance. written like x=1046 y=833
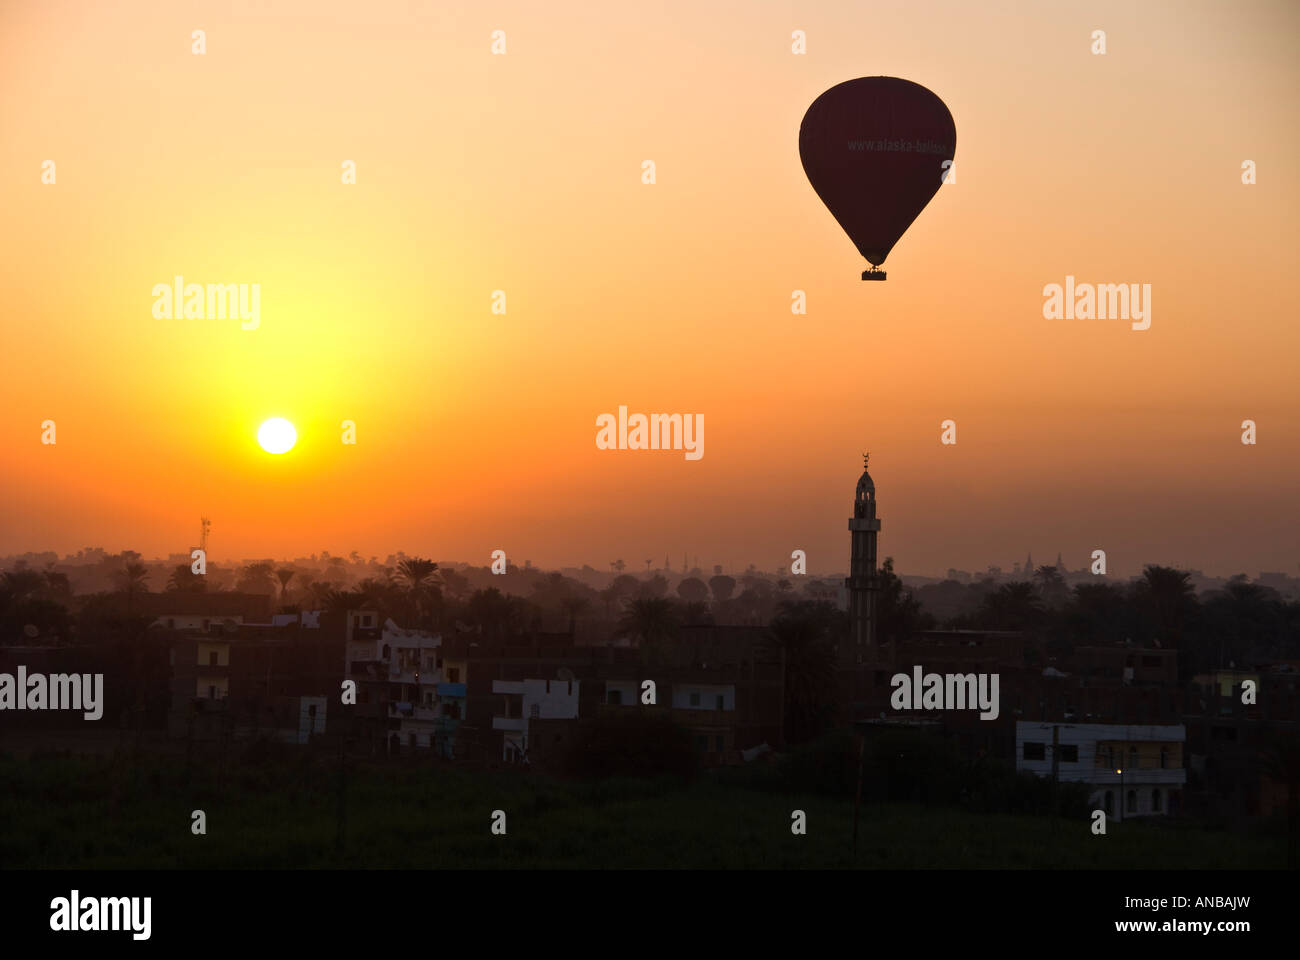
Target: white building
x=525 y=700
x=410 y=669
x=1134 y=770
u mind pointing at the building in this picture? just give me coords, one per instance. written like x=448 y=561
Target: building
x=525 y=700
x=204 y=611
x=239 y=680
x=707 y=711
x=1229 y=741
x=862 y=582
x=1131 y=770
x=399 y=674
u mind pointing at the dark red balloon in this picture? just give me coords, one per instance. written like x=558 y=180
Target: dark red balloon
x=873 y=149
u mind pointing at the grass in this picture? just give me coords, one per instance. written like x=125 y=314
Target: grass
x=59 y=810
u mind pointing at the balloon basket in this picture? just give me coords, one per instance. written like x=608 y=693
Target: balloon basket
x=873 y=274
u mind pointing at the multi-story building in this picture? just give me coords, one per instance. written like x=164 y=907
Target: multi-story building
x=206 y=612
x=250 y=679
x=1230 y=742
x=1131 y=770
x=707 y=710
x=526 y=700
x=399 y=673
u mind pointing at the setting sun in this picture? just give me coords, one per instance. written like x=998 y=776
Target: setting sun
x=277 y=435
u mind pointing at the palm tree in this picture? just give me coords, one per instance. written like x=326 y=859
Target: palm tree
x=421 y=577
x=696 y=613
x=340 y=601
x=799 y=634
x=133 y=576
x=185 y=580
x=1051 y=585
x=573 y=606
x=456 y=584
x=608 y=596
x=649 y=621
x=24 y=583
x=1169 y=597
x=1012 y=606
x=417 y=572
x=257 y=578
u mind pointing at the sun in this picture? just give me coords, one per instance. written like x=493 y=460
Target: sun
x=277 y=435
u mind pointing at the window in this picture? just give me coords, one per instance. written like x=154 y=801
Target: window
x=388 y=651
x=721 y=701
x=614 y=696
x=1109 y=803
x=1164 y=759
x=1131 y=802
x=721 y=743
x=1132 y=758
x=453 y=675
x=1034 y=751
x=702 y=744
x=212 y=693
x=535 y=710
x=1070 y=753
x=212 y=658
x=1155 y=800
x=695 y=699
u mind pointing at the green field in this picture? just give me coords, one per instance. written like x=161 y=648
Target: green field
x=281 y=810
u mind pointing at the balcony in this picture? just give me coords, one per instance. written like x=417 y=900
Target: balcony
x=402 y=710
x=510 y=724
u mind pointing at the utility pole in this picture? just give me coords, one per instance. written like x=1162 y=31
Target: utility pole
x=1056 y=750
x=341 y=834
x=857 y=797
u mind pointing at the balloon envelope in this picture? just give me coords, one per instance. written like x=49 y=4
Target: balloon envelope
x=874 y=150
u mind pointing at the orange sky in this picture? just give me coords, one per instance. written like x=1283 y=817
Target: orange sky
x=523 y=173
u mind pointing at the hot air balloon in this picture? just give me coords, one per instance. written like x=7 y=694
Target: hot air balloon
x=874 y=150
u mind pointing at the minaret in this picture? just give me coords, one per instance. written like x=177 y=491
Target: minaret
x=1029 y=565
x=861 y=584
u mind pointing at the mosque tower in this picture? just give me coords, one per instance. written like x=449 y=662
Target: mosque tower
x=862 y=583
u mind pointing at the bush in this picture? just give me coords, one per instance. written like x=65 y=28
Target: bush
x=631 y=745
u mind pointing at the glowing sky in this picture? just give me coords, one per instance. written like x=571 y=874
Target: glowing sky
x=522 y=173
